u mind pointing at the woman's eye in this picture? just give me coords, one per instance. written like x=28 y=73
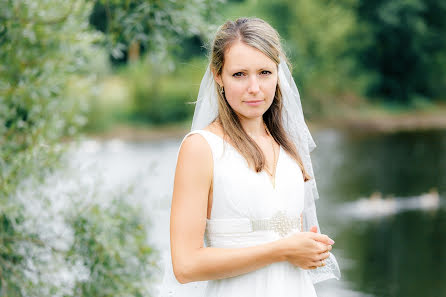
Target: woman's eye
x=239 y=74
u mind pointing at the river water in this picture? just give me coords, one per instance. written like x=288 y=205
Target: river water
x=382 y=201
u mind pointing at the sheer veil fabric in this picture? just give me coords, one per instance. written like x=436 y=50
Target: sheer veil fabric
x=206 y=110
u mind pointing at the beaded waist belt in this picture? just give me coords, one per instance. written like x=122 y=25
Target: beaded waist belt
x=279 y=223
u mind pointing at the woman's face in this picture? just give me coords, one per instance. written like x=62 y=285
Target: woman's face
x=249 y=78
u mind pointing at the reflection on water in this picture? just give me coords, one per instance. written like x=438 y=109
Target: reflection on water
x=375 y=206
x=390 y=232
x=394 y=245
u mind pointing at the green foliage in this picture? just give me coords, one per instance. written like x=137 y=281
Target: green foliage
x=102 y=250
x=402 y=43
x=159 y=97
x=43 y=46
x=150 y=34
x=111 y=243
x=12 y=262
x=27 y=259
x=154 y=27
x=48 y=68
x=145 y=93
x=318 y=35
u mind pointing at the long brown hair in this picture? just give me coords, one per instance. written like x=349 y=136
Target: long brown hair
x=259 y=34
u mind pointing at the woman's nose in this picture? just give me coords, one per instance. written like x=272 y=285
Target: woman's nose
x=253 y=85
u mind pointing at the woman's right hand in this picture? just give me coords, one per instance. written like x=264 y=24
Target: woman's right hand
x=307 y=249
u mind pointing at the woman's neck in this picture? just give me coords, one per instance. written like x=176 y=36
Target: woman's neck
x=254 y=127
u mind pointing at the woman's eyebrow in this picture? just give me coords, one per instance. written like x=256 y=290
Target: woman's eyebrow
x=237 y=69
x=243 y=69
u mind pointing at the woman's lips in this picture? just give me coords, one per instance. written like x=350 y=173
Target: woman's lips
x=254 y=103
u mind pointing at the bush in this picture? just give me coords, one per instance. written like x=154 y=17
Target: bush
x=46 y=50
x=43 y=46
x=111 y=243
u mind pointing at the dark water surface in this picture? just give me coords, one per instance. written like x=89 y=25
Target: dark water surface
x=396 y=247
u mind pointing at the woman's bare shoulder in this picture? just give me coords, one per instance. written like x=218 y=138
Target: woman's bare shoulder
x=195 y=162
x=194 y=146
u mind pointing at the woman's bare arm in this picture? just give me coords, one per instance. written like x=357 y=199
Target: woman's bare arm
x=191 y=260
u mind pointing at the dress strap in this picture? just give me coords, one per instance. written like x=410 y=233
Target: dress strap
x=201 y=132
x=215 y=142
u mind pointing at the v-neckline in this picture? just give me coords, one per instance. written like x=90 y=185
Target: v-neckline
x=273 y=186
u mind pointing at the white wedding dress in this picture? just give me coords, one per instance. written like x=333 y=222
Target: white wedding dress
x=246 y=211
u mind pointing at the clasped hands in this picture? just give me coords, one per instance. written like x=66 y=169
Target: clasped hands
x=308 y=250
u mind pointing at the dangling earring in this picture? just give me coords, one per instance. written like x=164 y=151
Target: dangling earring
x=222 y=91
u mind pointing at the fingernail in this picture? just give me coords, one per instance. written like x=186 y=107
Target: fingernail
x=331 y=241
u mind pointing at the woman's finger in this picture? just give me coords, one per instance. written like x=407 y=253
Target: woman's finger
x=325 y=255
x=322 y=238
x=322 y=247
x=317 y=264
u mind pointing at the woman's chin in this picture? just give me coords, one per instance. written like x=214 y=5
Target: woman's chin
x=252 y=114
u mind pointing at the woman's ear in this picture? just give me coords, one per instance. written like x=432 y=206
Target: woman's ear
x=217 y=78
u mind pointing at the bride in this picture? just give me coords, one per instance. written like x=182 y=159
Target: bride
x=243 y=218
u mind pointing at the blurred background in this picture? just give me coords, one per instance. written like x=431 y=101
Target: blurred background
x=96 y=95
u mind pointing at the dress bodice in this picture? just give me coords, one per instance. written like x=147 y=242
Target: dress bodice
x=241 y=195
x=240 y=192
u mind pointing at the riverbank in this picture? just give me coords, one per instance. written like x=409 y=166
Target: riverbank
x=373 y=119
x=376 y=119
